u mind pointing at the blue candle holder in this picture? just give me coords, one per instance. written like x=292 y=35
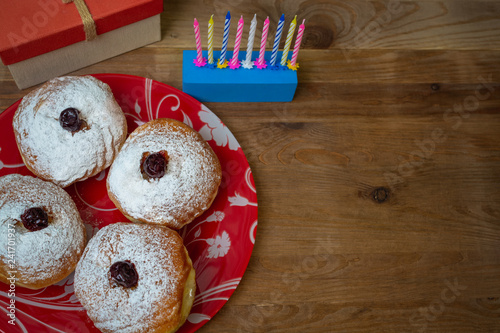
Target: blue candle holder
x=212 y=84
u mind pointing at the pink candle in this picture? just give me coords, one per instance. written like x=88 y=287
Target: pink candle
x=263 y=41
x=199 y=57
x=297 y=44
x=237 y=43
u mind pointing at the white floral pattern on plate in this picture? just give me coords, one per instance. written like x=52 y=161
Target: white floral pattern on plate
x=239 y=200
x=215 y=130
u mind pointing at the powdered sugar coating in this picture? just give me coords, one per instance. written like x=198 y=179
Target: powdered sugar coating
x=45 y=256
x=162 y=266
x=61 y=156
x=186 y=190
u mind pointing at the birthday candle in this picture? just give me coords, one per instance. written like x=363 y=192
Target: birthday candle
x=277 y=38
x=211 y=40
x=263 y=41
x=297 y=43
x=199 y=57
x=237 y=42
x=251 y=37
x=227 y=22
x=288 y=42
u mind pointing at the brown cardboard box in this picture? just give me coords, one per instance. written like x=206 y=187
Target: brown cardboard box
x=42 y=39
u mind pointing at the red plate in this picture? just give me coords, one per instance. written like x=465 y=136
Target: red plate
x=219 y=242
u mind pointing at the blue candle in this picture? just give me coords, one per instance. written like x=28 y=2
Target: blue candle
x=277 y=39
x=227 y=22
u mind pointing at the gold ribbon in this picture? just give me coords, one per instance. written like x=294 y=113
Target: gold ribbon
x=88 y=21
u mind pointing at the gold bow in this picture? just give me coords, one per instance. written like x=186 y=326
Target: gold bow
x=88 y=21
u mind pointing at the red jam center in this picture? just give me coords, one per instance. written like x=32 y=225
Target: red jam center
x=35 y=219
x=155 y=165
x=124 y=274
x=70 y=120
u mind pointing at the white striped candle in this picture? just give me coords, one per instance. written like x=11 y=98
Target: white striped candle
x=251 y=37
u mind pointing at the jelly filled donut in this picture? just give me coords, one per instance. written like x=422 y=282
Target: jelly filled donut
x=42 y=234
x=69 y=129
x=136 y=278
x=165 y=173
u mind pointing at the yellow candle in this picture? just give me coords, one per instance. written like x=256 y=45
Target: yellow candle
x=288 y=42
x=211 y=40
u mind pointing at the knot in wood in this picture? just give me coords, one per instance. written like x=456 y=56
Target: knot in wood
x=380 y=194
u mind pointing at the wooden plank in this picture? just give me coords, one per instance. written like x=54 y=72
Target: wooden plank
x=330 y=68
x=379 y=184
x=353 y=317
x=359 y=24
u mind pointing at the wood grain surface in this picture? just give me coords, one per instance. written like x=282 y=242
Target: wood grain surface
x=379 y=184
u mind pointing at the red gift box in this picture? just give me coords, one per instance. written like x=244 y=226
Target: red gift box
x=38 y=38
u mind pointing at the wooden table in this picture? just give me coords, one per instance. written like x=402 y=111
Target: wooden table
x=379 y=185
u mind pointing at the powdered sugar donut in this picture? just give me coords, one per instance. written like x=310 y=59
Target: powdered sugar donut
x=69 y=129
x=166 y=174
x=42 y=234
x=136 y=278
